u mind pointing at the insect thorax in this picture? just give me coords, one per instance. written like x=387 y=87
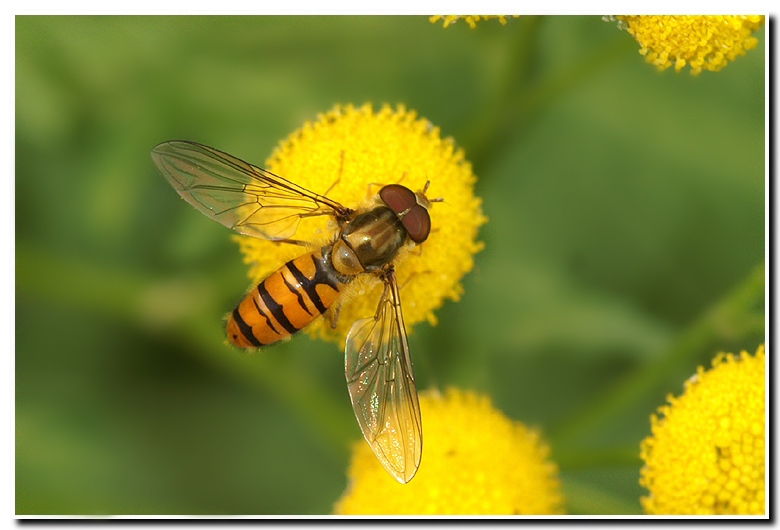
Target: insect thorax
x=369 y=242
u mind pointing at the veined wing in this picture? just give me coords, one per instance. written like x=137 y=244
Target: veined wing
x=381 y=386
x=246 y=198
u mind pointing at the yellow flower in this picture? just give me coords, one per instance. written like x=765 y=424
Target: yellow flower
x=347 y=154
x=475 y=461
x=471 y=20
x=706 y=455
x=703 y=42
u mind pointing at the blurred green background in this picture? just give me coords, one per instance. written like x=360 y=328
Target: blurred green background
x=624 y=247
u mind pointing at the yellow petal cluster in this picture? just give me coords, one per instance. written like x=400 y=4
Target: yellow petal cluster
x=471 y=20
x=475 y=461
x=703 y=42
x=706 y=455
x=348 y=153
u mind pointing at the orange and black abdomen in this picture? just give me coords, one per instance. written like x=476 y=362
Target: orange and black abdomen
x=285 y=302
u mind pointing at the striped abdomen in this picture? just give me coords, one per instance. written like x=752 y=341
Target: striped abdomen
x=285 y=302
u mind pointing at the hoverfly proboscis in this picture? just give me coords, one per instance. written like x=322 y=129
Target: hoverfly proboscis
x=255 y=202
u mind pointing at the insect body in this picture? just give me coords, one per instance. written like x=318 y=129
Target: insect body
x=285 y=302
x=256 y=202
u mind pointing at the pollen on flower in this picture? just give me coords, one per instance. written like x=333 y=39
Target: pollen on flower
x=347 y=154
x=476 y=461
x=471 y=20
x=701 y=42
x=706 y=452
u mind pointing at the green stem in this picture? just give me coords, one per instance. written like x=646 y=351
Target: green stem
x=734 y=316
x=585 y=498
x=81 y=284
x=569 y=460
x=494 y=117
x=315 y=404
x=520 y=98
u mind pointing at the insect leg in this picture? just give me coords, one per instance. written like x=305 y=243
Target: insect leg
x=334 y=315
x=338 y=179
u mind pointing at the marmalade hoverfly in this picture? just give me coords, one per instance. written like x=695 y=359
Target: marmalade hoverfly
x=255 y=202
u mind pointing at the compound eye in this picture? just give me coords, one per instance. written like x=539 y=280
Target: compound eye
x=417 y=223
x=398 y=198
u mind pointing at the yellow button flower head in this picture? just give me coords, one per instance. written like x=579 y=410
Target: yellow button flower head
x=471 y=20
x=347 y=154
x=703 y=42
x=475 y=461
x=706 y=455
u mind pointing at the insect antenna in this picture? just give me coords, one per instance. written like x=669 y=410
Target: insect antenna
x=425 y=188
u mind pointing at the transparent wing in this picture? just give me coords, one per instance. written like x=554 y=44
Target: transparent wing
x=381 y=385
x=241 y=196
